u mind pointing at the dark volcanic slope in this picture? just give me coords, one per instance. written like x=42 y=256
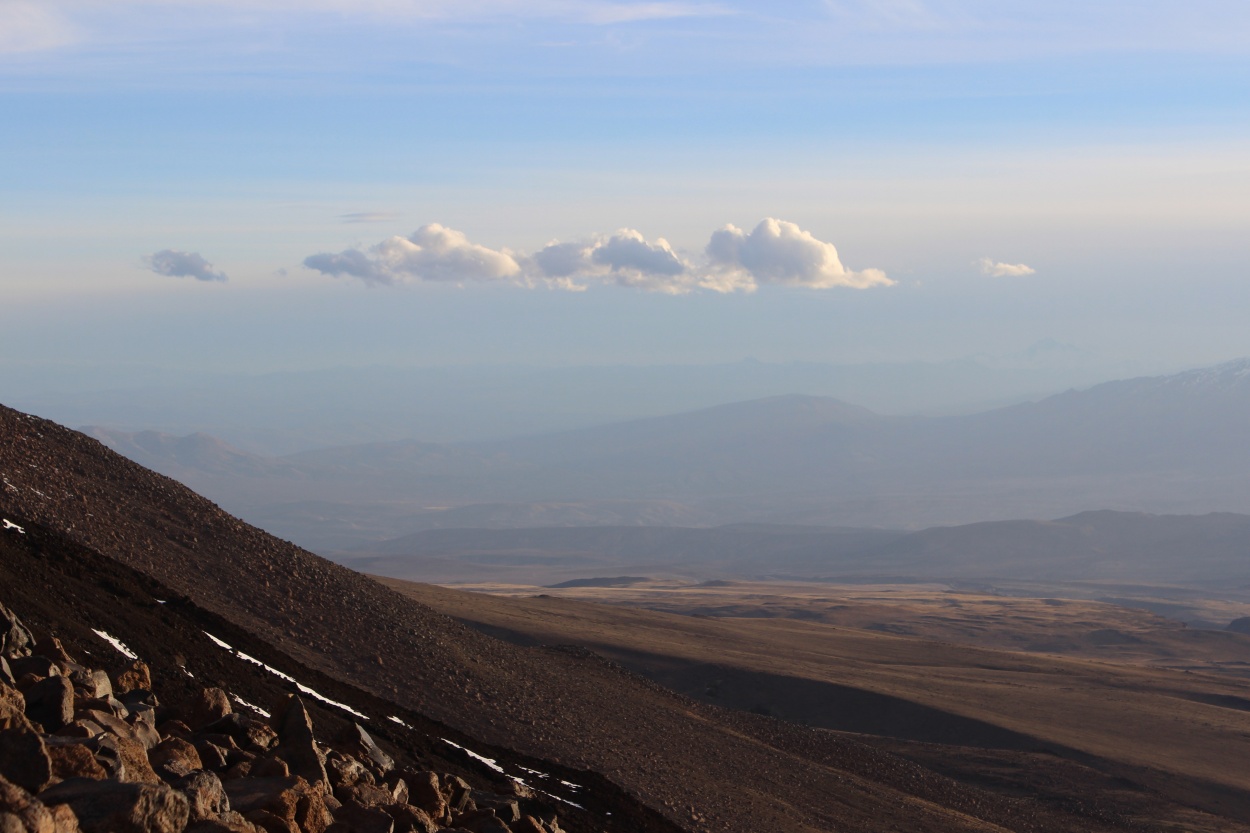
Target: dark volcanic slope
x=570 y=707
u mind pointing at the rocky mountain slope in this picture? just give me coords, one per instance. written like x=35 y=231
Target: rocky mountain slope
x=699 y=767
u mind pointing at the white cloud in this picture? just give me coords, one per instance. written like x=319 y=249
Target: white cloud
x=625 y=258
x=183 y=265
x=431 y=253
x=779 y=252
x=1004 y=270
x=775 y=252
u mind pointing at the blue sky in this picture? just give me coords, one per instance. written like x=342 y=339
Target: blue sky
x=376 y=181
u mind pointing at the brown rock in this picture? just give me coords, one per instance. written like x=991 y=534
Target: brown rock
x=79 y=729
x=205 y=793
x=279 y=796
x=18 y=805
x=424 y=792
x=38 y=666
x=175 y=751
x=209 y=706
x=311 y=812
x=176 y=728
x=24 y=759
x=269 y=767
x=345 y=772
x=270 y=823
x=111 y=723
x=246 y=732
x=225 y=823
x=356 y=740
x=134 y=757
x=364 y=819
x=63 y=819
x=50 y=702
x=364 y=795
x=113 y=807
x=94 y=684
x=74 y=760
x=409 y=819
x=529 y=824
x=212 y=756
x=136 y=676
x=13 y=709
x=108 y=754
x=15 y=638
x=296 y=744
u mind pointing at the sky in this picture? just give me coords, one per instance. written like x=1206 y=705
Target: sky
x=283 y=184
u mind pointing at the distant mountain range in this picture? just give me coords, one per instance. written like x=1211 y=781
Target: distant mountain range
x=1120 y=547
x=1170 y=444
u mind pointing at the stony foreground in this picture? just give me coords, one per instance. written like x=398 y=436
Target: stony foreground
x=83 y=750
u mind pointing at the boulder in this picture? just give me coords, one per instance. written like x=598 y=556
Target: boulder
x=6 y=673
x=39 y=666
x=74 y=760
x=134 y=757
x=364 y=819
x=175 y=751
x=409 y=819
x=21 y=811
x=114 y=807
x=209 y=706
x=246 y=732
x=137 y=676
x=225 y=823
x=424 y=791
x=359 y=742
x=280 y=796
x=13 y=709
x=296 y=744
x=24 y=759
x=205 y=793
x=15 y=639
x=529 y=824
x=50 y=702
x=346 y=772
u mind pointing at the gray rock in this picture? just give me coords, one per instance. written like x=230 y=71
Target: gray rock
x=115 y=807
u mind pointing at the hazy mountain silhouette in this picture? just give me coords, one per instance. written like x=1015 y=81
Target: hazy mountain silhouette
x=1173 y=444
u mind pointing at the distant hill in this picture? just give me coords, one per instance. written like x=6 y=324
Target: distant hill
x=1124 y=547
x=1174 y=444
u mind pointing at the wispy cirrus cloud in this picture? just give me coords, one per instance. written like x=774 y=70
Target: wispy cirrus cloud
x=33 y=27
x=775 y=252
x=369 y=217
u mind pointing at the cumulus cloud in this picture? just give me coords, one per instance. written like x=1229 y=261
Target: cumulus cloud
x=183 y=265
x=431 y=253
x=1004 y=270
x=775 y=252
x=779 y=252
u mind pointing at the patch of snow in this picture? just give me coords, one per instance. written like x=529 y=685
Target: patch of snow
x=488 y=761
x=116 y=643
x=395 y=719
x=236 y=698
x=302 y=688
x=219 y=643
x=8 y=524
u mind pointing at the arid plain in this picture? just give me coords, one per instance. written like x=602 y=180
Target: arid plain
x=1018 y=695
